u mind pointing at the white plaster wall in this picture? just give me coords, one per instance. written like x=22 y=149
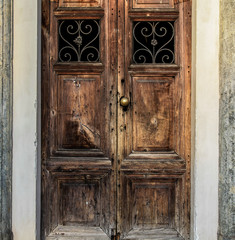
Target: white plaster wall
x=205 y=119
x=24 y=119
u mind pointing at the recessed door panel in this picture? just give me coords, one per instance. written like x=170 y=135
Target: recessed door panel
x=79 y=101
x=80 y=202
x=152 y=113
x=151 y=206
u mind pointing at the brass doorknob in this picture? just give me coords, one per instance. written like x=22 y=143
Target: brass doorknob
x=124 y=102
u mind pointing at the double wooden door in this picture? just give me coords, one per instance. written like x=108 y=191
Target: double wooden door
x=116 y=119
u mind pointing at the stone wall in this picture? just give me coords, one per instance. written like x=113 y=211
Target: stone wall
x=5 y=118
x=227 y=121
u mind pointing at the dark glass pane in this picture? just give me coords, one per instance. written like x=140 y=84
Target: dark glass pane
x=79 y=40
x=153 y=42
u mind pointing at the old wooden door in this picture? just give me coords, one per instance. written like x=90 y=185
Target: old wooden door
x=116 y=119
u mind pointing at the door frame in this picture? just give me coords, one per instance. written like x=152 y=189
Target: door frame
x=26 y=161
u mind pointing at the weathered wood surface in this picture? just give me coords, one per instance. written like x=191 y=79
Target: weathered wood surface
x=157 y=120
x=80 y=3
x=108 y=167
x=79 y=129
x=152 y=3
x=75 y=233
x=149 y=234
x=152 y=113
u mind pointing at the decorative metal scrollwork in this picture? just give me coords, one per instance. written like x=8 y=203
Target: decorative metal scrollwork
x=79 y=40
x=153 y=42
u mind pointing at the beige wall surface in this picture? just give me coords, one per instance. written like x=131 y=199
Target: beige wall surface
x=24 y=119
x=205 y=119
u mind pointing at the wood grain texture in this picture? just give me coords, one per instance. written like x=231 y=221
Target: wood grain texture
x=80 y=202
x=148 y=234
x=80 y=3
x=155 y=155
x=79 y=130
x=152 y=4
x=75 y=233
x=152 y=113
x=79 y=102
x=110 y=172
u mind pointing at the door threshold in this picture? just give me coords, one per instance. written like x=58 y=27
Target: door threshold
x=77 y=233
x=150 y=234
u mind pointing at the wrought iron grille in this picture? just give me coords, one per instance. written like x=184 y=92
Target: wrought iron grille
x=153 y=42
x=79 y=40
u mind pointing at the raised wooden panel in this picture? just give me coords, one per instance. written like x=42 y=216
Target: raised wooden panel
x=76 y=202
x=153 y=3
x=79 y=202
x=152 y=113
x=80 y=3
x=150 y=201
x=79 y=117
x=151 y=206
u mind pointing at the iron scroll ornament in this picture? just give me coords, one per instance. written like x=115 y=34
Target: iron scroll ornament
x=79 y=40
x=153 y=42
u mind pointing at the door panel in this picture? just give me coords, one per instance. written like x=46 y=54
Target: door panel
x=79 y=120
x=111 y=171
x=79 y=102
x=152 y=113
x=153 y=156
